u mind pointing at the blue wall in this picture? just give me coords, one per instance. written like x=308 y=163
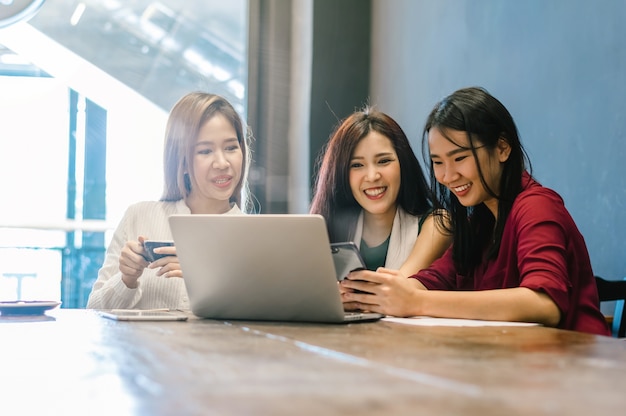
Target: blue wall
x=560 y=68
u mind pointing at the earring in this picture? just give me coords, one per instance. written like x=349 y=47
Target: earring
x=187 y=181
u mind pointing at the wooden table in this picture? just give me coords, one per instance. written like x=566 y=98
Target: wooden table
x=74 y=362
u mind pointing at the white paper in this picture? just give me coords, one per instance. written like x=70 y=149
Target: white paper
x=430 y=321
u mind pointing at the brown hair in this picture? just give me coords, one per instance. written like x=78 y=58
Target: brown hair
x=333 y=197
x=186 y=119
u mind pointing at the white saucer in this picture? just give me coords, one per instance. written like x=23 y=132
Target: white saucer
x=26 y=307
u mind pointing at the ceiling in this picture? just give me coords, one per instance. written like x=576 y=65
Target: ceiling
x=161 y=49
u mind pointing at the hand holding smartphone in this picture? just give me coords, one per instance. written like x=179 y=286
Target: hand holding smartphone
x=347 y=258
x=150 y=245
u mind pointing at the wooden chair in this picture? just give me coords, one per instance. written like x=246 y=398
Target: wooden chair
x=614 y=290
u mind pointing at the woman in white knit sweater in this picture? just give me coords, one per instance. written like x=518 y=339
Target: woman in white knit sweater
x=206 y=162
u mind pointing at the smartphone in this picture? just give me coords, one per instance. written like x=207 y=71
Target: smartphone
x=143 y=315
x=150 y=245
x=347 y=258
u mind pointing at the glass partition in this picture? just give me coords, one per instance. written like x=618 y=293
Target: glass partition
x=86 y=87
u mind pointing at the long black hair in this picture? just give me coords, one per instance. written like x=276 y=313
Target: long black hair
x=485 y=120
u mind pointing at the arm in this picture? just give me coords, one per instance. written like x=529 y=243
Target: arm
x=110 y=290
x=431 y=243
x=516 y=304
x=408 y=297
x=528 y=291
x=125 y=254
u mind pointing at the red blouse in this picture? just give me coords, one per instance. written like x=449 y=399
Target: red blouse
x=542 y=250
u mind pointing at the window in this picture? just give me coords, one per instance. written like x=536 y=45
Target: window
x=86 y=90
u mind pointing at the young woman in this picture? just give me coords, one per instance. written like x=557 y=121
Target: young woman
x=206 y=163
x=517 y=255
x=371 y=190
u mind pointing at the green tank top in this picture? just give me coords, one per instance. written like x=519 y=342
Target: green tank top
x=374 y=257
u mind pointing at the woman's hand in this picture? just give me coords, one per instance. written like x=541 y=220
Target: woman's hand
x=348 y=305
x=132 y=262
x=388 y=292
x=168 y=266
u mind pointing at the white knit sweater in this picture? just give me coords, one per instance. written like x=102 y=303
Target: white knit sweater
x=149 y=219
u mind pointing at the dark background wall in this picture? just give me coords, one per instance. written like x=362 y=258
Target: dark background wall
x=560 y=68
x=558 y=65
x=339 y=83
x=340 y=73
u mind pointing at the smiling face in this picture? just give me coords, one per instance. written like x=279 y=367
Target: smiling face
x=455 y=167
x=217 y=164
x=375 y=174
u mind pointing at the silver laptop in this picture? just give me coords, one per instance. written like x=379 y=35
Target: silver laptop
x=275 y=267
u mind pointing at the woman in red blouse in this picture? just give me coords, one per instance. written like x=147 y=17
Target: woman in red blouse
x=517 y=254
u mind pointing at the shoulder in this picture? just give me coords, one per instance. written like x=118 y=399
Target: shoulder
x=407 y=222
x=534 y=195
x=538 y=203
x=149 y=218
x=404 y=217
x=234 y=210
x=155 y=208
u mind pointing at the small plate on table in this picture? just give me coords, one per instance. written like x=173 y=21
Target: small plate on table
x=26 y=307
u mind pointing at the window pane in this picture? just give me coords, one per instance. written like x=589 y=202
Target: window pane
x=30 y=274
x=86 y=88
x=33 y=148
x=161 y=49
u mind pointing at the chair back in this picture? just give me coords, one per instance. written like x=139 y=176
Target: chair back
x=614 y=290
